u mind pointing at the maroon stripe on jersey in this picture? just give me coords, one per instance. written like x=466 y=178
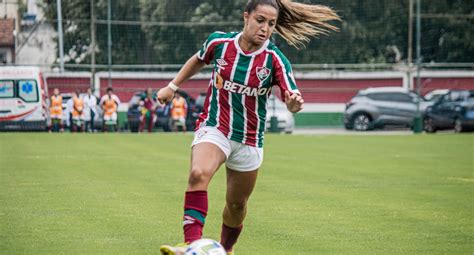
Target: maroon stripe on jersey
x=205 y=109
x=279 y=72
x=252 y=121
x=224 y=104
x=224 y=114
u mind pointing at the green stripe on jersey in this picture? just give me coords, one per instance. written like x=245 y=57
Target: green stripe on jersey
x=212 y=121
x=218 y=54
x=237 y=118
x=241 y=70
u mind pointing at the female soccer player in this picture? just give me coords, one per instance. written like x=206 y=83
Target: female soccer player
x=231 y=127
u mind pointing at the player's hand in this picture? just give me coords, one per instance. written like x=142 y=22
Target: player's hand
x=294 y=102
x=165 y=95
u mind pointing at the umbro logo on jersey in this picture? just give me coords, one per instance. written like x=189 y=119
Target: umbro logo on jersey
x=262 y=72
x=221 y=63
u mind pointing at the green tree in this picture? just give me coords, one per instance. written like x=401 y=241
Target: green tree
x=129 y=45
x=172 y=30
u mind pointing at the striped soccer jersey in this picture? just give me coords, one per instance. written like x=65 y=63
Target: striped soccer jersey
x=240 y=86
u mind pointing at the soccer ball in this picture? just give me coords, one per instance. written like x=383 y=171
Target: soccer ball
x=205 y=247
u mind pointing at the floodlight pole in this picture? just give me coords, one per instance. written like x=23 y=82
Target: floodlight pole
x=93 y=44
x=60 y=36
x=417 y=127
x=109 y=42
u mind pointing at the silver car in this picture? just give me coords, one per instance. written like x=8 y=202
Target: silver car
x=378 y=107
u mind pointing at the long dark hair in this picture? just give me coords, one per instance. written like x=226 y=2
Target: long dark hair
x=298 y=22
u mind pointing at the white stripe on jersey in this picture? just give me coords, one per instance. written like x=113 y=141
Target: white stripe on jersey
x=245 y=119
x=224 y=48
x=246 y=83
x=231 y=111
x=285 y=74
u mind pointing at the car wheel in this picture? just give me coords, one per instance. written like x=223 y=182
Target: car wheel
x=428 y=125
x=458 y=127
x=361 y=122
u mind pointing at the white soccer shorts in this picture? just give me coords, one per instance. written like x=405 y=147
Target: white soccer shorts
x=239 y=157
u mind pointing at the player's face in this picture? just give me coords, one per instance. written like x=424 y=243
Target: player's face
x=260 y=23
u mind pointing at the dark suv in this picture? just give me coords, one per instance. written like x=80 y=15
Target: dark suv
x=162 y=113
x=454 y=110
x=378 y=107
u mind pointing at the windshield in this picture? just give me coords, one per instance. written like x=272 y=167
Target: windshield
x=6 y=89
x=27 y=90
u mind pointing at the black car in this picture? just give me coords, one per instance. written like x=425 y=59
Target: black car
x=162 y=113
x=454 y=110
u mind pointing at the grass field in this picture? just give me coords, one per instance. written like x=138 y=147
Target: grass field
x=123 y=193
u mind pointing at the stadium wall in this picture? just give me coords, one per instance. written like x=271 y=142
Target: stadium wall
x=325 y=93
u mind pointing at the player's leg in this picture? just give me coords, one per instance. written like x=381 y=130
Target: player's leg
x=183 y=121
x=151 y=122
x=209 y=152
x=142 y=123
x=239 y=188
x=206 y=158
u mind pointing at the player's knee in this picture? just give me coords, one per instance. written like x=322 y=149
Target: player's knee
x=236 y=206
x=198 y=176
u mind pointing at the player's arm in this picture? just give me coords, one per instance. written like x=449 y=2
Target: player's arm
x=190 y=68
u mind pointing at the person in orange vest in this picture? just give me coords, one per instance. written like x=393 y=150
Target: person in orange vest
x=110 y=103
x=77 y=112
x=56 y=112
x=179 y=110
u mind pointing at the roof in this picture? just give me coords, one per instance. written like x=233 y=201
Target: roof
x=7 y=26
x=384 y=89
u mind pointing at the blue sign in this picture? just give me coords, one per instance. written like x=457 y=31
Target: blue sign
x=27 y=87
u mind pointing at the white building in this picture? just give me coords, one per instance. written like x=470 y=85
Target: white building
x=33 y=38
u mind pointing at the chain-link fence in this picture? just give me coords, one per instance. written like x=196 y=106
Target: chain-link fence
x=153 y=34
x=136 y=44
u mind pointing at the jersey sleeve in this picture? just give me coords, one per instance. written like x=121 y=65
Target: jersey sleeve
x=283 y=75
x=117 y=100
x=206 y=53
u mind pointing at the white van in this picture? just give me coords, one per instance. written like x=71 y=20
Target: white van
x=23 y=94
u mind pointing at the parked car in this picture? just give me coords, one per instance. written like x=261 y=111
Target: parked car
x=162 y=113
x=454 y=110
x=434 y=95
x=277 y=108
x=378 y=107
